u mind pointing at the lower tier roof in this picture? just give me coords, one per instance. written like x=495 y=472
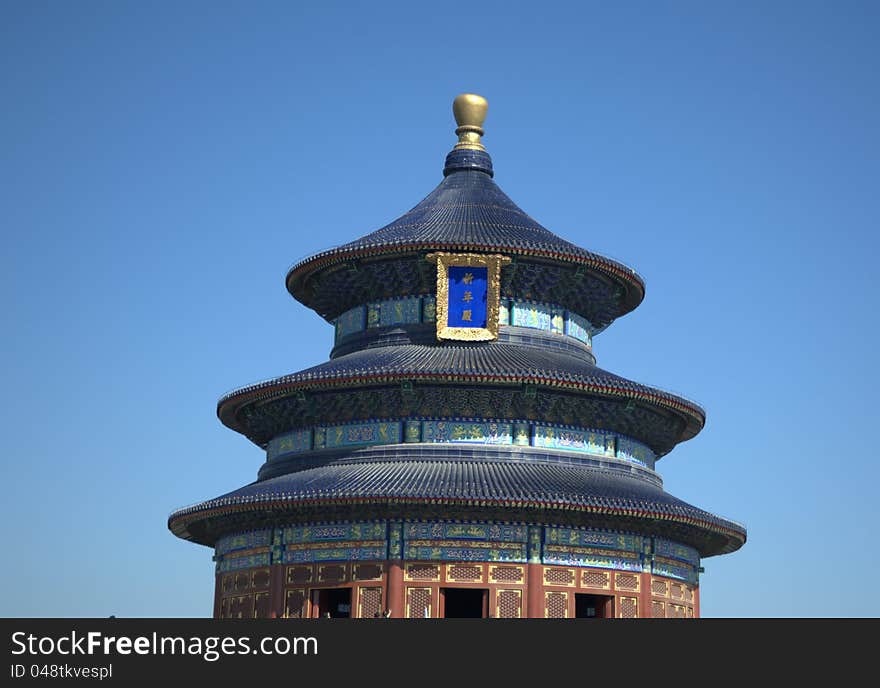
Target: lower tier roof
x=513 y=486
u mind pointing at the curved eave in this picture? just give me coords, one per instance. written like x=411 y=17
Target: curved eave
x=180 y=521
x=229 y=405
x=629 y=279
x=515 y=487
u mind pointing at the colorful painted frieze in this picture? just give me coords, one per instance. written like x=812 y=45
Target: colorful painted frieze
x=399 y=311
x=377 y=530
x=351 y=321
x=360 y=434
x=449 y=551
x=300 y=555
x=536 y=315
x=465 y=531
x=429 y=309
x=255 y=538
x=673 y=550
x=231 y=563
x=583 y=537
x=589 y=556
x=673 y=569
x=575 y=440
x=395 y=540
x=521 y=434
x=578 y=327
x=415 y=309
x=535 y=544
x=504 y=312
x=412 y=431
x=630 y=450
x=374 y=313
x=290 y=443
x=467 y=432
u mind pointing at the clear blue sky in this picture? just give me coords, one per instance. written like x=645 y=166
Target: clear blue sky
x=163 y=164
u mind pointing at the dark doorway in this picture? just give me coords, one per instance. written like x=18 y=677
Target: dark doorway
x=592 y=607
x=465 y=603
x=335 y=602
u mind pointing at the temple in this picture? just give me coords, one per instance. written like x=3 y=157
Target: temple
x=460 y=454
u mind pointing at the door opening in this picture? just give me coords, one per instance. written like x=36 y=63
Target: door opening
x=593 y=606
x=334 y=603
x=465 y=603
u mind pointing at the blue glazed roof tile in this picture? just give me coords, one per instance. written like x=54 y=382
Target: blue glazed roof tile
x=467 y=211
x=492 y=482
x=508 y=362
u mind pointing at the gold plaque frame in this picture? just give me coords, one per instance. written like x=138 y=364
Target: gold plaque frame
x=493 y=264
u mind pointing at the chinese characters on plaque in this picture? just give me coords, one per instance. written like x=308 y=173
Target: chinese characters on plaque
x=468 y=294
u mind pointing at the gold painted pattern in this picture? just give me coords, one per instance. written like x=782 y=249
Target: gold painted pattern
x=335 y=544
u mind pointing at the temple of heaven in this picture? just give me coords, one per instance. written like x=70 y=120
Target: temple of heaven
x=460 y=454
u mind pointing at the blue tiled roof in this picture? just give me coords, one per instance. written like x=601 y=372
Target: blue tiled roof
x=502 y=362
x=466 y=212
x=468 y=207
x=508 y=483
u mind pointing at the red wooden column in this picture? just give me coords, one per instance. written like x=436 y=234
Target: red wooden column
x=394 y=592
x=696 y=601
x=535 y=591
x=218 y=593
x=646 y=609
x=277 y=579
x=395 y=598
x=535 y=575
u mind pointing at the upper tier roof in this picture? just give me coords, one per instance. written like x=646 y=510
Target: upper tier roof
x=467 y=212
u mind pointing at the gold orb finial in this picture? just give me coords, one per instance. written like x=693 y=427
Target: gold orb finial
x=470 y=112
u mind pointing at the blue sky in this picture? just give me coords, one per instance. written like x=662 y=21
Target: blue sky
x=163 y=164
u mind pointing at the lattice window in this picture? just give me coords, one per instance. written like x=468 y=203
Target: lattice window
x=675 y=611
x=659 y=587
x=629 y=607
x=242 y=581
x=370 y=603
x=559 y=577
x=596 y=579
x=627 y=581
x=260 y=578
x=508 y=604
x=690 y=612
x=555 y=605
x=688 y=593
x=334 y=573
x=367 y=572
x=294 y=601
x=464 y=573
x=418 y=603
x=224 y=608
x=242 y=607
x=261 y=605
x=228 y=583
x=658 y=610
x=677 y=590
x=506 y=574
x=299 y=574
x=422 y=572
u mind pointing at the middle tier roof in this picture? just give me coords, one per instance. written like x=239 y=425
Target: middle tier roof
x=485 y=365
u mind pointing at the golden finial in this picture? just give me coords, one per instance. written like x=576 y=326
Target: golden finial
x=469 y=111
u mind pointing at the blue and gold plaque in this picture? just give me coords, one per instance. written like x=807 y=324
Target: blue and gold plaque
x=468 y=294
